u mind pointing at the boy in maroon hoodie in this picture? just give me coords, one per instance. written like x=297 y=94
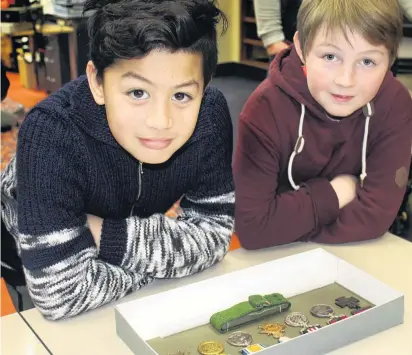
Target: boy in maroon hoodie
x=324 y=143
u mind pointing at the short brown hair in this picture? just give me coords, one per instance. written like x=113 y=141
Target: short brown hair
x=378 y=21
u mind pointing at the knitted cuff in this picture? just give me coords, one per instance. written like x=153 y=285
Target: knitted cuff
x=113 y=241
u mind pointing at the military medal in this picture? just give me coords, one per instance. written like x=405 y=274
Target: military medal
x=326 y=311
x=350 y=302
x=240 y=339
x=321 y=310
x=310 y=328
x=210 y=348
x=276 y=330
x=251 y=349
x=297 y=319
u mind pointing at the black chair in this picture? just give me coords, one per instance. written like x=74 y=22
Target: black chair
x=402 y=226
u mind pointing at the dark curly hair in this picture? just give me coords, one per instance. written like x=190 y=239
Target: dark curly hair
x=125 y=29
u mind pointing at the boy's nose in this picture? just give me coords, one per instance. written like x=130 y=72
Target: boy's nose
x=159 y=119
x=345 y=76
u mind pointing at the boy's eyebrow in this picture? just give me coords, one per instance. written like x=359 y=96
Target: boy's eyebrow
x=364 y=52
x=326 y=44
x=373 y=51
x=188 y=83
x=134 y=75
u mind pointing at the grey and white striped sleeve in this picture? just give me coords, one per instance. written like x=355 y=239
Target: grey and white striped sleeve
x=43 y=208
x=167 y=248
x=63 y=274
x=198 y=238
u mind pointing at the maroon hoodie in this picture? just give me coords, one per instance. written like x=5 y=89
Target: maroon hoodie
x=275 y=207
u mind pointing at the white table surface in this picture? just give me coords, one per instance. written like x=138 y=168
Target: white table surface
x=388 y=258
x=18 y=339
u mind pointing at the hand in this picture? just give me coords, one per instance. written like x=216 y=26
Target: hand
x=95 y=225
x=345 y=188
x=275 y=48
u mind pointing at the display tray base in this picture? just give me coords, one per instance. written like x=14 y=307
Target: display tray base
x=189 y=340
x=178 y=319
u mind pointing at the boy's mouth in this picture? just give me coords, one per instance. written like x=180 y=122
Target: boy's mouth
x=342 y=98
x=156 y=144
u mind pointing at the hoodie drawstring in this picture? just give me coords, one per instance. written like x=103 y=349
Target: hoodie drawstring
x=369 y=114
x=300 y=142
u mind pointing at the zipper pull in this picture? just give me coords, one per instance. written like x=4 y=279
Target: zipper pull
x=140 y=187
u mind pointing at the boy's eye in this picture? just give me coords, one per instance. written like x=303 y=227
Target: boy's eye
x=138 y=94
x=368 y=62
x=330 y=57
x=181 y=97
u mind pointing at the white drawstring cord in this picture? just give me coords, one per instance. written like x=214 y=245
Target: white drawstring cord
x=300 y=142
x=364 y=144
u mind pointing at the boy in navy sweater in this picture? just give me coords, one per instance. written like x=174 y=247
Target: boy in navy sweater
x=100 y=161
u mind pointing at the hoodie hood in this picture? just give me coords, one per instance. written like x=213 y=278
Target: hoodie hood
x=90 y=116
x=287 y=73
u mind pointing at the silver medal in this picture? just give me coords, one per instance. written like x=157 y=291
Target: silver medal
x=240 y=339
x=322 y=311
x=296 y=319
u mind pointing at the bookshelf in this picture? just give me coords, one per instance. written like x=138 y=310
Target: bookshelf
x=252 y=51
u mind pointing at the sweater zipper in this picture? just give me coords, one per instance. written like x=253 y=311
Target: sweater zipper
x=140 y=188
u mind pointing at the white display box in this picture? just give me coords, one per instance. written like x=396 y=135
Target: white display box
x=178 y=310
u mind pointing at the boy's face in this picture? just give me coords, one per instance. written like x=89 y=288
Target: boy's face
x=343 y=76
x=152 y=104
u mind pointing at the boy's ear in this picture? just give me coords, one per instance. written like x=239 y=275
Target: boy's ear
x=298 y=47
x=95 y=83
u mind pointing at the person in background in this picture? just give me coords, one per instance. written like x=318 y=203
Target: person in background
x=101 y=161
x=5 y=83
x=7 y=119
x=324 y=144
x=276 y=23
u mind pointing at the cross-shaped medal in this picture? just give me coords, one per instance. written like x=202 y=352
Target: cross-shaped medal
x=350 y=302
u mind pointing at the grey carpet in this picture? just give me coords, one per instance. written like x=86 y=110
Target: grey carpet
x=236 y=90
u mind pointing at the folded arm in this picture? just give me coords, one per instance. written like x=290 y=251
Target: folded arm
x=63 y=275
x=374 y=209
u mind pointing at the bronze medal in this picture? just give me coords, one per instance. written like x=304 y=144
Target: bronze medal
x=276 y=330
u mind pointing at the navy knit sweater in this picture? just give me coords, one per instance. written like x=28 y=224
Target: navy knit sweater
x=69 y=165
